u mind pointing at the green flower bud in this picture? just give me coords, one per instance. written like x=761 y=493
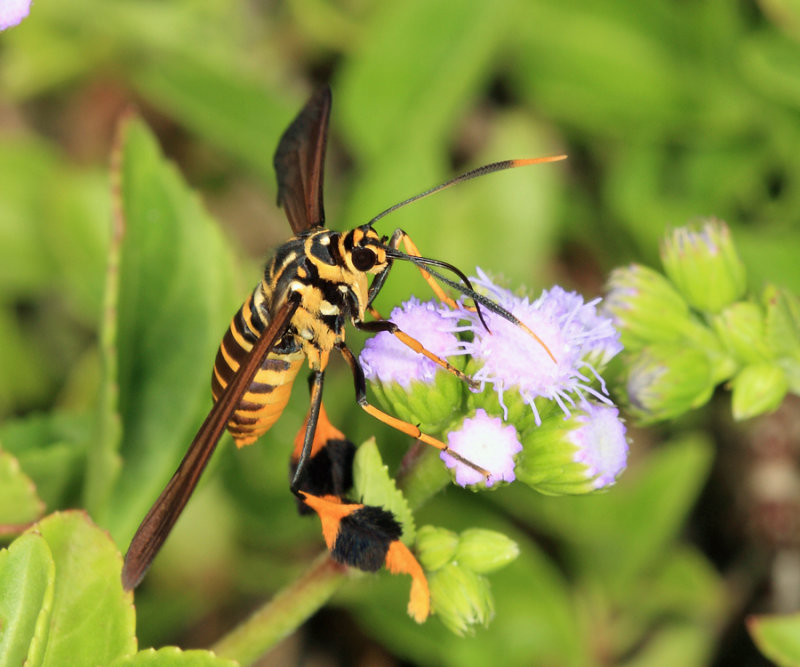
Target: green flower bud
x=758 y=388
x=741 y=329
x=436 y=547
x=433 y=405
x=485 y=551
x=579 y=454
x=645 y=307
x=667 y=380
x=782 y=332
x=460 y=598
x=704 y=265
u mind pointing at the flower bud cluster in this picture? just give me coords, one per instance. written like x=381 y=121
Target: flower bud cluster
x=456 y=565
x=689 y=330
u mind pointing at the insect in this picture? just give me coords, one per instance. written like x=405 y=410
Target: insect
x=315 y=284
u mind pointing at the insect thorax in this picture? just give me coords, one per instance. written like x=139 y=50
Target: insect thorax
x=316 y=266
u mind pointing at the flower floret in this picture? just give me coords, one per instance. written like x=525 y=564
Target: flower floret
x=573 y=342
x=12 y=12
x=487 y=442
x=600 y=443
x=386 y=359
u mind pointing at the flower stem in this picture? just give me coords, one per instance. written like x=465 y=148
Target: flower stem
x=284 y=613
x=421 y=475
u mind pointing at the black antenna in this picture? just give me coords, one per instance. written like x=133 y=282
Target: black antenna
x=469 y=291
x=480 y=171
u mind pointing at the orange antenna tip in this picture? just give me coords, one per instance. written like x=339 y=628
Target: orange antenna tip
x=537 y=160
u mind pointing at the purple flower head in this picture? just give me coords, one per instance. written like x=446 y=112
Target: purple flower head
x=509 y=358
x=600 y=443
x=485 y=441
x=579 y=454
x=12 y=12
x=386 y=359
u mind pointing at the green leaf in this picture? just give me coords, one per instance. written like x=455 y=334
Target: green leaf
x=373 y=486
x=52 y=239
x=27 y=574
x=172 y=655
x=26 y=167
x=567 y=67
x=675 y=644
x=402 y=89
x=18 y=500
x=644 y=512
x=174 y=300
x=236 y=111
x=75 y=233
x=770 y=61
x=648 y=510
x=103 y=457
x=51 y=451
x=92 y=619
x=687 y=586
x=62 y=601
x=782 y=320
x=777 y=637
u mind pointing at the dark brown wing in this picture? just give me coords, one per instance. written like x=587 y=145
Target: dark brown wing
x=300 y=162
x=159 y=521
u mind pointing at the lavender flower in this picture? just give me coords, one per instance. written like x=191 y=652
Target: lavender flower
x=485 y=441
x=583 y=453
x=509 y=359
x=408 y=384
x=386 y=359
x=12 y=12
x=600 y=444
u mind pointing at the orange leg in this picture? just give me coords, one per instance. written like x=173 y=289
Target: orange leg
x=390 y=327
x=394 y=422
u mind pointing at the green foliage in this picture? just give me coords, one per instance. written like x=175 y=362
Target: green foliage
x=18 y=500
x=372 y=485
x=778 y=637
x=169 y=287
x=61 y=586
x=114 y=292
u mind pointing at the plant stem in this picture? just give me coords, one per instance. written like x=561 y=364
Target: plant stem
x=422 y=475
x=284 y=613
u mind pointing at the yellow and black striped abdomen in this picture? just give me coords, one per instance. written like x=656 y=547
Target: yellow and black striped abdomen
x=265 y=399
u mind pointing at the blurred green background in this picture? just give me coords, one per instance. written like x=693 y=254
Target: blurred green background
x=668 y=110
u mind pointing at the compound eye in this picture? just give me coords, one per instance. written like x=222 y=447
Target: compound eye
x=363 y=258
